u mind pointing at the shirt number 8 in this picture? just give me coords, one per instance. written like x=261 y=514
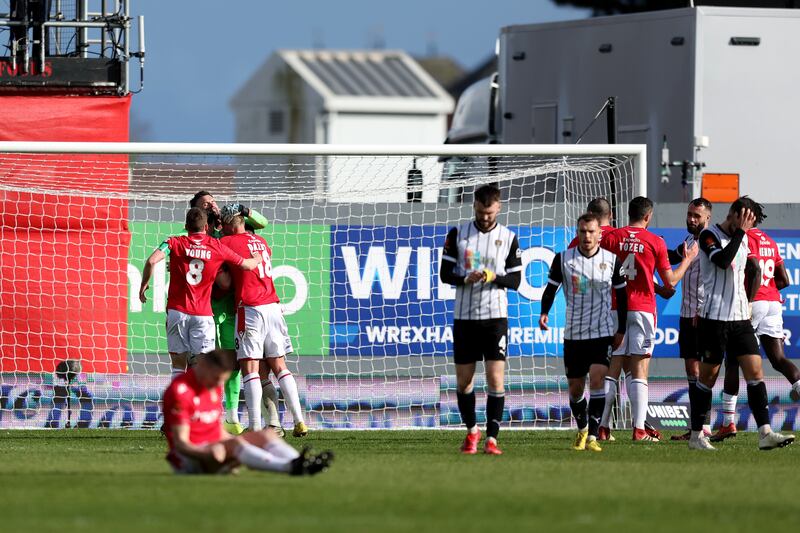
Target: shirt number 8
x=195 y=274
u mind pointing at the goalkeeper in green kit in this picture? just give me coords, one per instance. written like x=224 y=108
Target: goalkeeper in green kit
x=223 y=307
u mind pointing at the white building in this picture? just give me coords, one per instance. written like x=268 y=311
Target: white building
x=345 y=97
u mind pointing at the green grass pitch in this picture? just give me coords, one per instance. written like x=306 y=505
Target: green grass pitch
x=385 y=481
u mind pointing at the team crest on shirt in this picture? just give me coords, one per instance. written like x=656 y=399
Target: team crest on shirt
x=498 y=243
x=603 y=266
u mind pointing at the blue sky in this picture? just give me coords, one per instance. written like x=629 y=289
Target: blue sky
x=200 y=52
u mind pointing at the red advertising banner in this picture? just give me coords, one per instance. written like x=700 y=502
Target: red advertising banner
x=63 y=236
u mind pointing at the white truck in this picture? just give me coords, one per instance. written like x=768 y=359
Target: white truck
x=722 y=84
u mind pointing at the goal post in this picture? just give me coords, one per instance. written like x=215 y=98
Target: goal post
x=356 y=234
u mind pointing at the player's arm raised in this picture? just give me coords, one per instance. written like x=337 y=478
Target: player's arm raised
x=672 y=277
x=158 y=255
x=723 y=257
x=554 y=280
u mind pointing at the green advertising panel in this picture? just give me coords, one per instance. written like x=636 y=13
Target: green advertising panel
x=300 y=265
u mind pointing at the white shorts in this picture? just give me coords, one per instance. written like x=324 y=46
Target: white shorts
x=190 y=333
x=261 y=332
x=640 y=334
x=768 y=319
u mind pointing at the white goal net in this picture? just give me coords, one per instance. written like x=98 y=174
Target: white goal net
x=356 y=235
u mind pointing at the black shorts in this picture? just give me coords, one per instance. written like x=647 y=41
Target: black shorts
x=688 y=339
x=579 y=355
x=720 y=339
x=479 y=340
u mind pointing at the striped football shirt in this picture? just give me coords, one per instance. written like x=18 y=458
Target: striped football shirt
x=725 y=297
x=692 y=283
x=588 y=285
x=471 y=249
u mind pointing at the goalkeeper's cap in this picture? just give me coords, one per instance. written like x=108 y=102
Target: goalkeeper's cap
x=230 y=212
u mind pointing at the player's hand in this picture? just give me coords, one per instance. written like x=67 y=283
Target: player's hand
x=259 y=256
x=695 y=321
x=488 y=275
x=244 y=211
x=690 y=252
x=142 y=296
x=217 y=452
x=617 y=342
x=664 y=291
x=746 y=220
x=474 y=277
x=543 y=322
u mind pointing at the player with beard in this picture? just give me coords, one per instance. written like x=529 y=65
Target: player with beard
x=698 y=216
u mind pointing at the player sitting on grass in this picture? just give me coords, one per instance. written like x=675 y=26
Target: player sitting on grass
x=262 y=341
x=194 y=262
x=199 y=445
x=590 y=276
x=222 y=305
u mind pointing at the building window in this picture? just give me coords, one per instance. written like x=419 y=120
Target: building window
x=275 y=122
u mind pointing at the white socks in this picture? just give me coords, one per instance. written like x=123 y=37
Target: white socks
x=232 y=415
x=638 y=392
x=290 y=394
x=258 y=459
x=729 y=408
x=252 y=397
x=611 y=395
x=270 y=400
x=279 y=448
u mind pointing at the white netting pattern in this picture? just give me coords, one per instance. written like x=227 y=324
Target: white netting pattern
x=371 y=327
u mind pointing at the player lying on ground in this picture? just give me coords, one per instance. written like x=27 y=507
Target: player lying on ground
x=222 y=305
x=199 y=445
x=590 y=276
x=726 y=332
x=767 y=321
x=262 y=337
x=194 y=262
x=642 y=254
x=482 y=259
x=698 y=216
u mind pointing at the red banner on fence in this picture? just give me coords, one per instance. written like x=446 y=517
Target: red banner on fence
x=63 y=236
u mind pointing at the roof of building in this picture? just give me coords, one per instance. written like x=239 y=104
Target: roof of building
x=362 y=80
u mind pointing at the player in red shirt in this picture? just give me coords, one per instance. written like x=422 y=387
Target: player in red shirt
x=194 y=262
x=767 y=320
x=262 y=341
x=601 y=208
x=642 y=254
x=199 y=445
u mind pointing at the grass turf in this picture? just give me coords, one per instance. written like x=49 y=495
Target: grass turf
x=103 y=480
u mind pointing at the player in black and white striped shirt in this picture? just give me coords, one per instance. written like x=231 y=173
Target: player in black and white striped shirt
x=725 y=328
x=589 y=275
x=698 y=216
x=482 y=259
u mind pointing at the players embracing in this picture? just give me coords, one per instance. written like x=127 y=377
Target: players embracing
x=642 y=253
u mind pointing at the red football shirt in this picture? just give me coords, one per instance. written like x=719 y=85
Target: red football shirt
x=187 y=403
x=603 y=230
x=254 y=287
x=765 y=251
x=641 y=253
x=194 y=261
